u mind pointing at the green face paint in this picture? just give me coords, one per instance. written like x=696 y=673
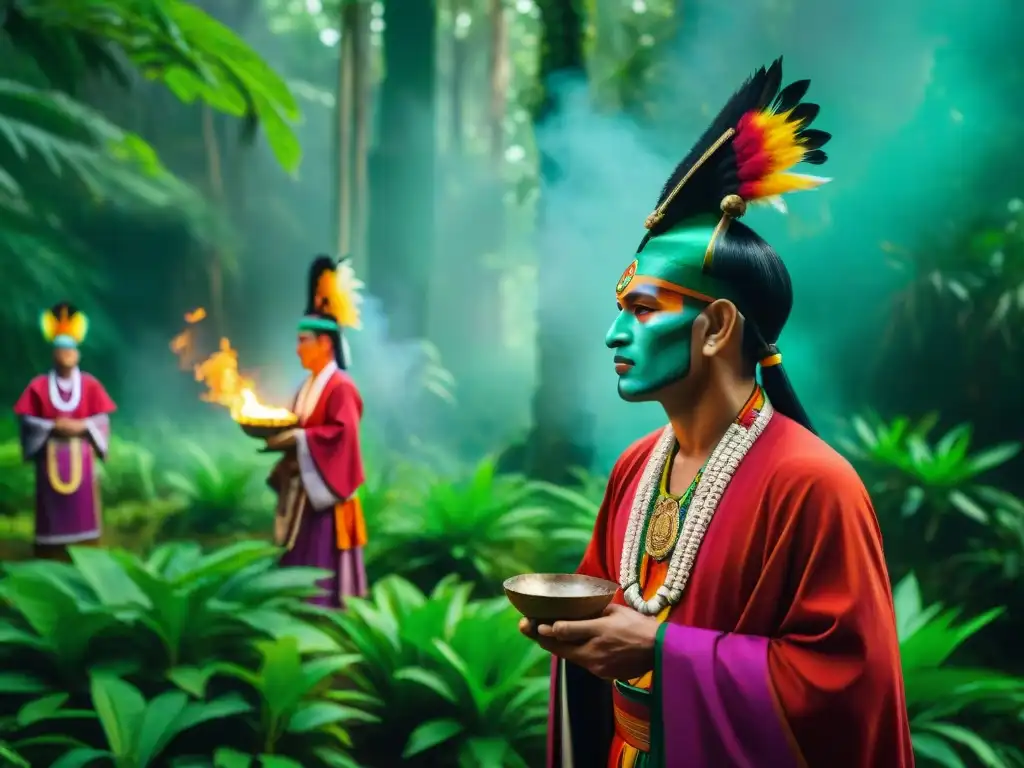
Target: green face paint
x=660 y=296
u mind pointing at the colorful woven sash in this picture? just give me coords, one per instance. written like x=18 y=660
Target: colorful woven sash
x=632 y=710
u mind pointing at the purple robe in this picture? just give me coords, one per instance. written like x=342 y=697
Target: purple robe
x=67 y=487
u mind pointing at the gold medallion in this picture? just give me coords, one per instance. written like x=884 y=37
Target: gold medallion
x=663 y=528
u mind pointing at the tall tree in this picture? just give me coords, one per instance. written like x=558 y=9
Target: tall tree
x=562 y=434
x=402 y=230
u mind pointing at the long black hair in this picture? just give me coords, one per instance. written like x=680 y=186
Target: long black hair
x=764 y=294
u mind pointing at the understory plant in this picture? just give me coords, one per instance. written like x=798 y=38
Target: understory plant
x=461 y=686
x=482 y=526
x=144 y=662
x=221 y=496
x=954 y=710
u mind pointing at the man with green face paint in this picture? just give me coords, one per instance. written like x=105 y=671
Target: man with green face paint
x=754 y=623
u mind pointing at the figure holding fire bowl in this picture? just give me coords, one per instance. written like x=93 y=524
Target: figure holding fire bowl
x=65 y=427
x=319 y=520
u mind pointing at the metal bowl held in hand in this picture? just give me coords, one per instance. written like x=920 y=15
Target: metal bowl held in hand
x=262 y=430
x=559 y=596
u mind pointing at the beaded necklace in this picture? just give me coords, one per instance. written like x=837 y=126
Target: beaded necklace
x=652 y=517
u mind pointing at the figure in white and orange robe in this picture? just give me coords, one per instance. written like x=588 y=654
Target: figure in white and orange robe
x=65 y=428
x=319 y=519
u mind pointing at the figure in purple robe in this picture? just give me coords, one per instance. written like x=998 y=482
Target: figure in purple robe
x=65 y=427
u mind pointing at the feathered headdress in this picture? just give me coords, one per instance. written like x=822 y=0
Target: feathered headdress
x=64 y=325
x=747 y=154
x=334 y=291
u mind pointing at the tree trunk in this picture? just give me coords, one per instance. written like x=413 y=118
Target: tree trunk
x=343 y=138
x=361 y=115
x=402 y=236
x=562 y=433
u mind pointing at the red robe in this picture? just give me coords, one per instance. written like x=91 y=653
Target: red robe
x=321 y=519
x=783 y=649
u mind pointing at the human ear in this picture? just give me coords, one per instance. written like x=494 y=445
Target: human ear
x=722 y=327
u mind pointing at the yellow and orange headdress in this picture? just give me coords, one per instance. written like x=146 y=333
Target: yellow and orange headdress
x=333 y=302
x=64 y=326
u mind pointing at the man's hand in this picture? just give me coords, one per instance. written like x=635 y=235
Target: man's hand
x=70 y=427
x=283 y=440
x=617 y=646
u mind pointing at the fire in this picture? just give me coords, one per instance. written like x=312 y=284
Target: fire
x=225 y=384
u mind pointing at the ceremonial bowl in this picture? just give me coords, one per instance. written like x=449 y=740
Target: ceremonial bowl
x=551 y=597
x=264 y=429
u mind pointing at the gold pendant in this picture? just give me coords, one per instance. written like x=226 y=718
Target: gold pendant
x=663 y=528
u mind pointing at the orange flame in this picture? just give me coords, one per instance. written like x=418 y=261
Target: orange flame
x=225 y=385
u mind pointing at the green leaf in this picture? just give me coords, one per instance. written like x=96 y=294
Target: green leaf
x=430 y=734
x=281 y=625
x=157 y=726
x=41 y=709
x=120 y=708
x=222 y=707
x=78 y=758
x=231 y=758
x=936 y=749
x=993 y=457
x=429 y=680
x=19 y=682
x=970 y=740
x=192 y=680
x=278 y=761
x=281 y=679
x=311 y=716
x=102 y=572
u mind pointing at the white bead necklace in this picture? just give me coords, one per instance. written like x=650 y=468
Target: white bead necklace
x=720 y=468
x=74 y=398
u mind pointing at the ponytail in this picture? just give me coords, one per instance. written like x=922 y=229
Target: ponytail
x=779 y=390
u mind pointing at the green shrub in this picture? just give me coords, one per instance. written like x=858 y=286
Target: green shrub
x=146 y=662
x=460 y=685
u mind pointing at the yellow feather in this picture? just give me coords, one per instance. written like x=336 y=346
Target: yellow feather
x=48 y=325
x=782 y=183
x=349 y=297
x=78 y=326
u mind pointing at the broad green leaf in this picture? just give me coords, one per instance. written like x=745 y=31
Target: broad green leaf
x=19 y=682
x=281 y=625
x=41 y=709
x=120 y=708
x=281 y=679
x=222 y=707
x=934 y=748
x=108 y=579
x=310 y=716
x=429 y=680
x=192 y=680
x=278 y=761
x=230 y=758
x=981 y=749
x=157 y=726
x=430 y=734
x=80 y=757
x=993 y=457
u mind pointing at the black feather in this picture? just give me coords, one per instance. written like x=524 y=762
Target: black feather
x=816 y=157
x=749 y=96
x=791 y=96
x=812 y=138
x=320 y=265
x=804 y=114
